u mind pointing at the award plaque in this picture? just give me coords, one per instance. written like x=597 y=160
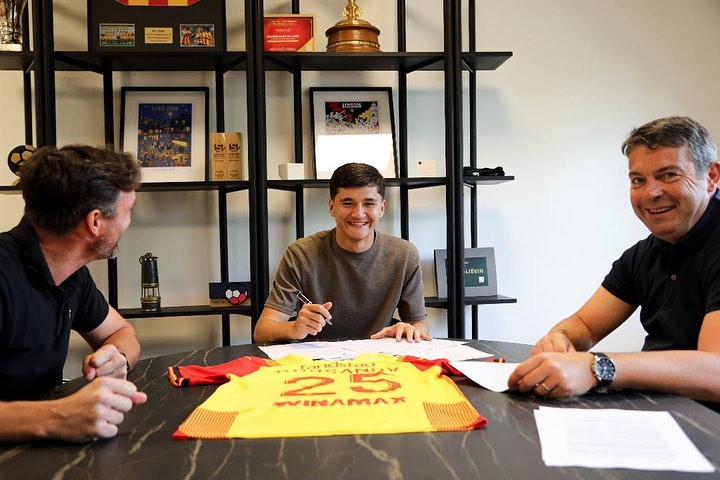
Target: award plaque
x=289 y=33
x=156 y=26
x=352 y=34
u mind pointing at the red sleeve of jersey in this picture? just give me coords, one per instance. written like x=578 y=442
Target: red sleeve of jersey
x=191 y=375
x=423 y=364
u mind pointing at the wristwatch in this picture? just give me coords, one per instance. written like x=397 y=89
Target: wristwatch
x=604 y=370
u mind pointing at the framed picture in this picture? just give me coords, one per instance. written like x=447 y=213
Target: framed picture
x=480 y=274
x=166 y=129
x=156 y=25
x=353 y=125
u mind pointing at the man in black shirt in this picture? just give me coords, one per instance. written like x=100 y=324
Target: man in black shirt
x=673 y=276
x=78 y=202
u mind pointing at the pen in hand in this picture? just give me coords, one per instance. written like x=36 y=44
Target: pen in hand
x=301 y=296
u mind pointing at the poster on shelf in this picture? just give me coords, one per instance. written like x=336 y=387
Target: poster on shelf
x=480 y=275
x=156 y=25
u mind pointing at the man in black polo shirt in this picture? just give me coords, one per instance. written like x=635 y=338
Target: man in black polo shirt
x=78 y=202
x=673 y=276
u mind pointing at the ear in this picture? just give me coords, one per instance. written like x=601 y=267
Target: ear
x=713 y=176
x=93 y=222
x=382 y=207
x=331 y=207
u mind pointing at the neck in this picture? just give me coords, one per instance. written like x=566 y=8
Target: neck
x=63 y=254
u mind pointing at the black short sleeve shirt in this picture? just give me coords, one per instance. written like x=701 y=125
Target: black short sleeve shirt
x=675 y=285
x=36 y=315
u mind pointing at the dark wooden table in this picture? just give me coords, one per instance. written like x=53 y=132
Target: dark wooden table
x=508 y=448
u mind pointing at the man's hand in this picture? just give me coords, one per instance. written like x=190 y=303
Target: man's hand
x=554 y=375
x=93 y=412
x=553 y=342
x=311 y=319
x=106 y=361
x=410 y=331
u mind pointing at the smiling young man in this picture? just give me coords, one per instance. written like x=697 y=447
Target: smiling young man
x=673 y=276
x=358 y=276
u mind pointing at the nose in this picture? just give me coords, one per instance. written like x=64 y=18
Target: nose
x=653 y=188
x=359 y=211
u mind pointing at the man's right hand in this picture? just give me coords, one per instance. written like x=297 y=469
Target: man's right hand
x=553 y=342
x=311 y=319
x=93 y=412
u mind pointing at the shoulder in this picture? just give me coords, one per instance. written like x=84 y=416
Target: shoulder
x=312 y=242
x=395 y=246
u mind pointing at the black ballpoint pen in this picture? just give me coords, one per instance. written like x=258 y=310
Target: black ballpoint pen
x=301 y=296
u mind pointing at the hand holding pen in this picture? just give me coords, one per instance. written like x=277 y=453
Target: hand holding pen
x=305 y=300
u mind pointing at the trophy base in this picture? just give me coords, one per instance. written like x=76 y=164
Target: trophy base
x=10 y=47
x=150 y=304
x=353 y=36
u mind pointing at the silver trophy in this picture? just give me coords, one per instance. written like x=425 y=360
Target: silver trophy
x=11 y=34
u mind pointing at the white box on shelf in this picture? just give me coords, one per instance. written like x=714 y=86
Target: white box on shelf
x=292 y=171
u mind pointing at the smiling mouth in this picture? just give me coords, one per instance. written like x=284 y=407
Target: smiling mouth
x=656 y=211
x=358 y=224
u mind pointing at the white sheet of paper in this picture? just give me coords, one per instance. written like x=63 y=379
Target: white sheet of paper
x=437 y=348
x=611 y=438
x=491 y=375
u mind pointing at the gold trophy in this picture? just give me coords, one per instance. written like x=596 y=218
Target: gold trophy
x=352 y=34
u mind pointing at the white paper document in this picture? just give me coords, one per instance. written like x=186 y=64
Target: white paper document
x=491 y=375
x=611 y=438
x=437 y=348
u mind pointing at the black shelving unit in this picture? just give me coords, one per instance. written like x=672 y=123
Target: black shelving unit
x=44 y=61
x=452 y=61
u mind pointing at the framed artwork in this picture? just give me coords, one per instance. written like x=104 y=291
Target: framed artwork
x=166 y=128
x=480 y=274
x=353 y=125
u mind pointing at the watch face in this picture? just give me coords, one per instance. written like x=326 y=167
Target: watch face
x=605 y=369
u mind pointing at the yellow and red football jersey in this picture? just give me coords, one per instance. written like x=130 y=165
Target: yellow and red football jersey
x=295 y=397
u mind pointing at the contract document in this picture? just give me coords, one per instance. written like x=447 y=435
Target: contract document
x=611 y=438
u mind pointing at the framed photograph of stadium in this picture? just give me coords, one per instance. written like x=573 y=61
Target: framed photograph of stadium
x=480 y=274
x=353 y=125
x=166 y=128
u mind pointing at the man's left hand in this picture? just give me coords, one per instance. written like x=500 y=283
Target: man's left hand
x=105 y=361
x=403 y=329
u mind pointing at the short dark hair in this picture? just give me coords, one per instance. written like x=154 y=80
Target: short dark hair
x=354 y=175
x=675 y=132
x=62 y=185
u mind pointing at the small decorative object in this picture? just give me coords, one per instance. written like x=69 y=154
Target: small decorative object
x=166 y=129
x=480 y=275
x=17 y=158
x=11 y=34
x=353 y=125
x=289 y=33
x=226 y=156
x=291 y=171
x=149 y=283
x=352 y=34
x=228 y=294
x=11 y=12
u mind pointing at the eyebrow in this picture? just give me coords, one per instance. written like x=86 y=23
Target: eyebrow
x=667 y=168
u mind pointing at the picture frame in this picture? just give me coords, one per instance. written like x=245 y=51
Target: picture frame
x=166 y=128
x=353 y=125
x=289 y=33
x=480 y=272
x=176 y=26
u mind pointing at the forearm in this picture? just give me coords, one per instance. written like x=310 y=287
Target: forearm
x=267 y=331
x=690 y=373
x=126 y=341
x=25 y=421
x=576 y=331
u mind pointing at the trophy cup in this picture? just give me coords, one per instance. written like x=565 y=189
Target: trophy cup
x=352 y=34
x=11 y=35
x=149 y=283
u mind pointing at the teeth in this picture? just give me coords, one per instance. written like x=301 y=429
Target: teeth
x=659 y=210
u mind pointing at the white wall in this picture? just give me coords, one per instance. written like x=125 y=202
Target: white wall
x=582 y=75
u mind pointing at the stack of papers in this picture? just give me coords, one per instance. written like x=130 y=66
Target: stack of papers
x=611 y=438
x=347 y=349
